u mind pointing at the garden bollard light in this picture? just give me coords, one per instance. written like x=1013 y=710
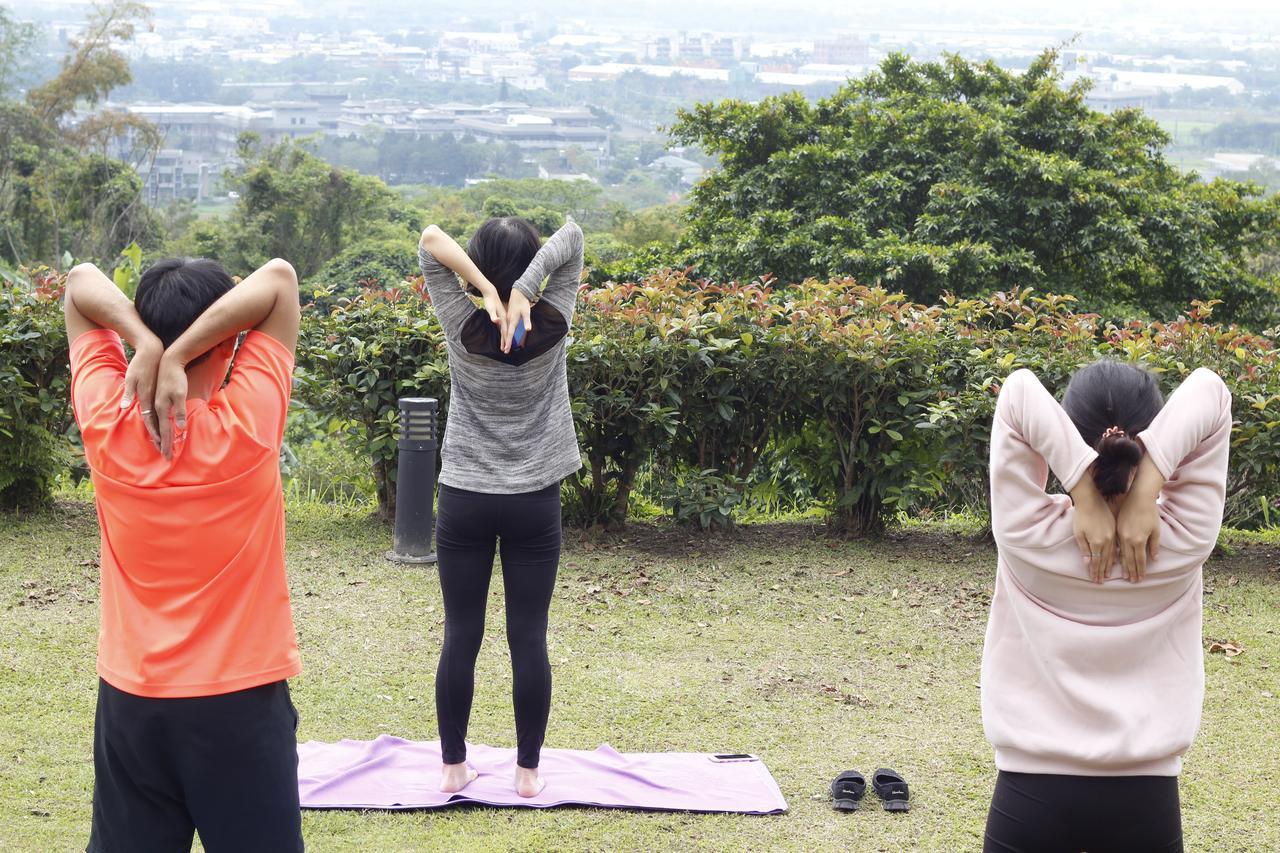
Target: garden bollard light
x=415 y=482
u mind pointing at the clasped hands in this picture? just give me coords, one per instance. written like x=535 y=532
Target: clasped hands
x=507 y=317
x=159 y=384
x=1129 y=533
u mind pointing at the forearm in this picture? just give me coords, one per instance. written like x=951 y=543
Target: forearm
x=447 y=251
x=1085 y=494
x=93 y=300
x=1038 y=419
x=560 y=258
x=243 y=307
x=1148 y=482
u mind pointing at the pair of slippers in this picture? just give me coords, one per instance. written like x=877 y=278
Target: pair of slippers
x=849 y=787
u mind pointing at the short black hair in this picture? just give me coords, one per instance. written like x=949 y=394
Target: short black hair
x=172 y=293
x=502 y=248
x=1109 y=394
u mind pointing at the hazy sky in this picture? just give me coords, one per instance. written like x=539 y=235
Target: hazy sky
x=1261 y=17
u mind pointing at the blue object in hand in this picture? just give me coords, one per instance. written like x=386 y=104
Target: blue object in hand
x=518 y=338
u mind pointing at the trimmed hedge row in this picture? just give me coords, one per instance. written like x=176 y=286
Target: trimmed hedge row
x=882 y=405
x=871 y=404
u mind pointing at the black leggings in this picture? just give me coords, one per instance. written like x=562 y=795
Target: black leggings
x=468 y=527
x=1096 y=814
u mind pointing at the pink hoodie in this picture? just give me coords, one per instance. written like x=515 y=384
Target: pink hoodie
x=1086 y=679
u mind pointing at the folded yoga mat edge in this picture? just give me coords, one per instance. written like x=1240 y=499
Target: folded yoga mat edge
x=393 y=774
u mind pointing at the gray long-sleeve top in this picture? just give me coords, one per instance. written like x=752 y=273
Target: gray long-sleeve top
x=510 y=428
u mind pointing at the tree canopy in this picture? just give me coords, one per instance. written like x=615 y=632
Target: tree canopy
x=961 y=177
x=294 y=205
x=60 y=191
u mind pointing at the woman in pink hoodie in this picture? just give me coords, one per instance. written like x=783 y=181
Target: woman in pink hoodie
x=1092 y=670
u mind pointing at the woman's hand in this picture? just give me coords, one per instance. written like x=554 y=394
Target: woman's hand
x=1138 y=522
x=140 y=384
x=517 y=309
x=493 y=305
x=1095 y=528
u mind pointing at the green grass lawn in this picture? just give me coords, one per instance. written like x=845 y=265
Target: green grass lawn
x=816 y=654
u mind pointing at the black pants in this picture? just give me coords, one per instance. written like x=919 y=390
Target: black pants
x=469 y=527
x=1097 y=814
x=224 y=766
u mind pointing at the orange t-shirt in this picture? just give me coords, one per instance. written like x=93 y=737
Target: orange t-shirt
x=195 y=601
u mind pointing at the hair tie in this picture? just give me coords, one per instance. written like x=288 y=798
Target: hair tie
x=1113 y=431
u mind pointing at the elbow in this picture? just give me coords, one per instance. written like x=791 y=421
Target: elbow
x=575 y=232
x=79 y=274
x=430 y=234
x=1213 y=385
x=284 y=271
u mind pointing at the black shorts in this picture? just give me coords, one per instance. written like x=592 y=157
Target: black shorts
x=224 y=766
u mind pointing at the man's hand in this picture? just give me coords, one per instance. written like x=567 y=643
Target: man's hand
x=140 y=385
x=170 y=401
x=1095 y=528
x=517 y=309
x=1138 y=522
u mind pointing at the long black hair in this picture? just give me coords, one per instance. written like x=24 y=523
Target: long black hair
x=1110 y=403
x=502 y=248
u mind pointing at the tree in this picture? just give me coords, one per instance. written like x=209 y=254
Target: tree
x=961 y=177
x=16 y=38
x=295 y=205
x=61 y=189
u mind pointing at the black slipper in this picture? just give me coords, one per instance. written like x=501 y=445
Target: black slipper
x=891 y=789
x=847 y=790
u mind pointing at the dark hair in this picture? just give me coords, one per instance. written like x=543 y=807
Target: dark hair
x=1110 y=403
x=172 y=293
x=502 y=248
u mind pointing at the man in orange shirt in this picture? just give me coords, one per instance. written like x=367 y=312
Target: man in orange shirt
x=194 y=730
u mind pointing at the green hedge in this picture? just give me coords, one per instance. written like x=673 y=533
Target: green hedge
x=35 y=382
x=839 y=394
x=879 y=405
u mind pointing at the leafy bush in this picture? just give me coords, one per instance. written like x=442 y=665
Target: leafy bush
x=852 y=396
x=706 y=498
x=359 y=357
x=369 y=263
x=35 y=416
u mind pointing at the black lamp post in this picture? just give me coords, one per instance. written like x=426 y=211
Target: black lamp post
x=415 y=482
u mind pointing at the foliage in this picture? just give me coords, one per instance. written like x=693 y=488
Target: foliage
x=60 y=192
x=956 y=177
x=294 y=205
x=364 y=264
x=359 y=357
x=16 y=39
x=624 y=401
x=317 y=465
x=34 y=387
x=832 y=392
x=704 y=498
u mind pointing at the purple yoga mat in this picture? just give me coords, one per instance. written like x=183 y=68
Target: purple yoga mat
x=392 y=773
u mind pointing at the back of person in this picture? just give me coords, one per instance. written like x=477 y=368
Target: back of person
x=1092 y=674
x=516 y=400
x=195 y=599
x=508 y=443
x=195 y=730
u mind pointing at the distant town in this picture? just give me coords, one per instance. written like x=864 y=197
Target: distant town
x=559 y=98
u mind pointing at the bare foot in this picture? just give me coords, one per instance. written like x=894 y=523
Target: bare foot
x=528 y=782
x=456 y=777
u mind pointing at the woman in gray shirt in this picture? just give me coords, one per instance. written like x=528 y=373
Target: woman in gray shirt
x=508 y=443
